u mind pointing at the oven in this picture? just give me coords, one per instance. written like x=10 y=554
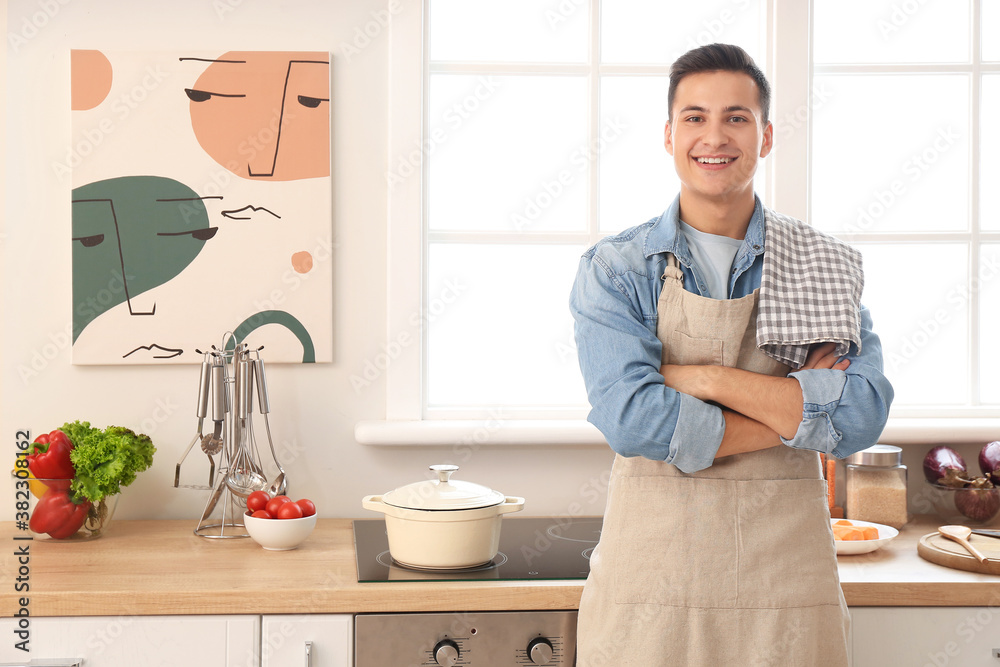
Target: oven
x=531 y=548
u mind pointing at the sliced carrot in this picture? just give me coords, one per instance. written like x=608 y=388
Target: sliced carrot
x=843 y=532
x=847 y=531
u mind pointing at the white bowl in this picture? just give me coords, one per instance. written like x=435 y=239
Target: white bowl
x=854 y=547
x=279 y=534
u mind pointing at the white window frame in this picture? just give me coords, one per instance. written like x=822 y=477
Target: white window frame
x=790 y=73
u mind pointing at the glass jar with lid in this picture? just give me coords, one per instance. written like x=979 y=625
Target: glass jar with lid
x=876 y=486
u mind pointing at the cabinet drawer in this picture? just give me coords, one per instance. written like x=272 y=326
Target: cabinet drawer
x=307 y=640
x=925 y=636
x=138 y=641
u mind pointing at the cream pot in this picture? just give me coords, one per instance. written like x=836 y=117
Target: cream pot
x=443 y=523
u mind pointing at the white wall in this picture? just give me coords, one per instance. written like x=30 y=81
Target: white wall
x=315 y=406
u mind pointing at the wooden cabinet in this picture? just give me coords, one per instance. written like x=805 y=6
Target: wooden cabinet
x=307 y=640
x=926 y=636
x=138 y=641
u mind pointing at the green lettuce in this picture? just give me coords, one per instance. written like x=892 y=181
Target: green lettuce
x=105 y=461
x=77 y=431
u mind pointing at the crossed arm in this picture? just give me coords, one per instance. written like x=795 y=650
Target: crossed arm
x=757 y=408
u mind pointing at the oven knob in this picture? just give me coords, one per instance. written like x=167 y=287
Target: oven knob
x=446 y=653
x=540 y=651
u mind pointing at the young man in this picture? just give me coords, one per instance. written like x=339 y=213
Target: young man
x=723 y=345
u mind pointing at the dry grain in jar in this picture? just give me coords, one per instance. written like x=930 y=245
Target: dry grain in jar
x=876 y=486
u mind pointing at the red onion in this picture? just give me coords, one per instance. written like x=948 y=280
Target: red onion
x=989 y=461
x=978 y=504
x=945 y=467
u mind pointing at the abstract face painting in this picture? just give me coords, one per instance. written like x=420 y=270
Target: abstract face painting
x=201 y=205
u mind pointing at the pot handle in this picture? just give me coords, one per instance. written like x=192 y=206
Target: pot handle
x=511 y=504
x=373 y=503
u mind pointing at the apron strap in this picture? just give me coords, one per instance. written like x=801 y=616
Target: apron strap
x=673 y=269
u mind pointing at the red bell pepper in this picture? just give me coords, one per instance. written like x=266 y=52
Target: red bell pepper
x=57 y=514
x=48 y=456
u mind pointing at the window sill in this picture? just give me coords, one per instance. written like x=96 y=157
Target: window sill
x=578 y=432
x=479 y=431
x=937 y=430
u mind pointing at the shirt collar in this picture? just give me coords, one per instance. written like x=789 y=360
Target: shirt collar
x=665 y=234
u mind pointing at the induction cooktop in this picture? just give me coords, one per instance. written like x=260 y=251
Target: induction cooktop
x=531 y=548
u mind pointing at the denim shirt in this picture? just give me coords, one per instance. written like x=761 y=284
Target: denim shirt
x=613 y=302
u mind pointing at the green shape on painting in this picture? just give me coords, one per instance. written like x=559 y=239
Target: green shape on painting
x=286 y=320
x=131 y=234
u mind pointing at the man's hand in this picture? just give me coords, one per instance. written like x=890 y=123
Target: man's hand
x=822 y=356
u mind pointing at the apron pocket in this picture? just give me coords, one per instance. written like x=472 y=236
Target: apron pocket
x=675 y=542
x=686 y=350
x=786 y=553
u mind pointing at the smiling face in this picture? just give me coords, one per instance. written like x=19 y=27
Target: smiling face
x=716 y=134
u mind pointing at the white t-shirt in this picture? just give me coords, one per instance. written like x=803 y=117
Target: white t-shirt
x=714 y=256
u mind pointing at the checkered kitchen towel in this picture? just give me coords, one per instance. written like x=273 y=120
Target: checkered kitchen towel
x=810 y=291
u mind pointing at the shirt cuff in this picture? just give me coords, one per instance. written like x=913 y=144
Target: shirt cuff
x=697 y=436
x=821 y=393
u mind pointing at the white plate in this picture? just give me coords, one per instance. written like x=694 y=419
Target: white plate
x=853 y=547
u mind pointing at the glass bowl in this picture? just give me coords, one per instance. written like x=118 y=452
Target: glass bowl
x=57 y=524
x=958 y=506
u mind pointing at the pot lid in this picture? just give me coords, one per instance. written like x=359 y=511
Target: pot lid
x=443 y=493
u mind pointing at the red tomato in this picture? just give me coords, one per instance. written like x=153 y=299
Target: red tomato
x=289 y=510
x=307 y=506
x=262 y=514
x=257 y=500
x=274 y=503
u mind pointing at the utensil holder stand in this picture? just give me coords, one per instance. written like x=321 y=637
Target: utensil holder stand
x=227 y=382
x=224 y=519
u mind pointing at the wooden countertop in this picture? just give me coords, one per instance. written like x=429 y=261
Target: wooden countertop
x=161 y=567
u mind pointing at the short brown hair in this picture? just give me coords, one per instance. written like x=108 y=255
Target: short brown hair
x=719 y=57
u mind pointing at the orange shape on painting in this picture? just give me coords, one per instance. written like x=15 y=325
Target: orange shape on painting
x=265 y=115
x=90 y=73
x=302 y=262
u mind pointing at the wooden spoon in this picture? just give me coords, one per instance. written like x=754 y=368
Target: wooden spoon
x=961 y=535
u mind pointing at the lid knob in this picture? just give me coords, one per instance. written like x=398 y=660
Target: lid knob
x=444 y=471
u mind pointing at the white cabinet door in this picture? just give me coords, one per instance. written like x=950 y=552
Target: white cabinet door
x=307 y=640
x=138 y=641
x=925 y=636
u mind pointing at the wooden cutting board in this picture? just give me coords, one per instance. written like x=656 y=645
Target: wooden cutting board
x=935 y=548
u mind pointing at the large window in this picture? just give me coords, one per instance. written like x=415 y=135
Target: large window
x=528 y=130
x=543 y=131
x=896 y=168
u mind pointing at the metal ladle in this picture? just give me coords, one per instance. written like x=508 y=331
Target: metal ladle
x=961 y=535
x=280 y=484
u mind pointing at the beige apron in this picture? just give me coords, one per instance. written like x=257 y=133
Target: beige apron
x=732 y=565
